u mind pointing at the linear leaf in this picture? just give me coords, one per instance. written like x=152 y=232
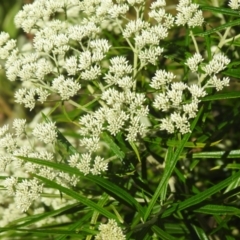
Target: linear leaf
x=113 y=146
x=162 y=234
x=117 y=191
x=83 y=199
x=170 y=168
x=200 y=233
x=111 y=187
x=221 y=96
x=217 y=210
x=218 y=154
x=224 y=26
x=225 y=11
x=232 y=73
x=37 y=217
x=198 y=198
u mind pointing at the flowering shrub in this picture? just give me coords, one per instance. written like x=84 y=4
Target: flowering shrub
x=124 y=89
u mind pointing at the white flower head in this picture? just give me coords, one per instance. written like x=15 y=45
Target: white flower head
x=99 y=166
x=26 y=192
x=3 y=38
x=218 y=83
x=45 y=132
x=10 y=184
x=66 y=88
x=161 y=78
x=189 y=14
x=217 y=64
x=234 y=4
x=4 y=129
x=194 y=61
x=116 y=10
x=110 y=231
x=19 y=126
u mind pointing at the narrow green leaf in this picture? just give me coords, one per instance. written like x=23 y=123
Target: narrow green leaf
x=134 y=147
x=37 y=217
x=218 y=154
x=169 y=169
x=232 y=73
x=223 y=26
x=221 y=10
x=233 y=166
x=200 y=233
x=111 y=187
x=53 y=231
x=122 y=194
x=198 y=198
x=113 y=146
x=76 y=225
x=83 y=199
x=175 y=143
x=174 y=228
x=217 y=210
x=162 y=234
x=221 y=96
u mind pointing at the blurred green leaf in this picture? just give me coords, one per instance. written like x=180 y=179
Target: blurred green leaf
x=217 y=29
x=218 y=154
x=221 y=96
x=218 y=210
x=113 y=146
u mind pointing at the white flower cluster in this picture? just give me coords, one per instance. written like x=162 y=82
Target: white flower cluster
x=172 y=97
x=188 y=13
x=70 y=56
x=34 y=15
x=218 y=63
x=234 y=4
x=172 y=94
x=110 y=231
x=13 y=144
x=25 y=191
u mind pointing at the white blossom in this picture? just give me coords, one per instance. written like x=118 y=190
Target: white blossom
x=110 y=231
x=90 y=143
x=4 y=129
x=84 y=164
x=158 y=4
x=79 y=32
x=194 y=61
x=92 y=73
x=44 y=67
x=45 y=132
x=101 y=45
x=134 y=26
x=19 y=126
x=161 y=78
x=8 y=142
x=99 y=166
x=150 y=55
x=66 y=88
x=189 y=14
x=26 y=192
x=197 y=91
x=191 y=109
x=217 y=64
x=10 y=184
x=234 y=4
x=116 y=10
x=71 y=65
x=161 y=102
x=218 y=83
x=4 y=38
